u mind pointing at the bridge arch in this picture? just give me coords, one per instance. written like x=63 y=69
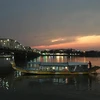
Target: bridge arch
x=11 y=44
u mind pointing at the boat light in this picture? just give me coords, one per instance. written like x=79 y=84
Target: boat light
x=53 y=67
x=66 y=68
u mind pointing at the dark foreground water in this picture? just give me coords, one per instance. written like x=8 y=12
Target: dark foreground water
x=17 y=86
x=49 y=87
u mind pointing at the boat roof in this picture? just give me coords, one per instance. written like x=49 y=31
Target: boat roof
x=58 y=63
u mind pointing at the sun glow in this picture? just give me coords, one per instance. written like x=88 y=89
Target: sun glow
x=84 y=43
x=89 y=39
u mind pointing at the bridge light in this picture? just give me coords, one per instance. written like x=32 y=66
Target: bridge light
x=1 y=40
x=5 y=40
x=8 y=40
x=53 y=68
x=15 y=41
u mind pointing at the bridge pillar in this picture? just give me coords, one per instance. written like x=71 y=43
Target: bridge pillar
x=20 y=56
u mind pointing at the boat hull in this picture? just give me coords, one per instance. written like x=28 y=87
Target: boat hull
x=47 y=72
x=53 y=73
x=42 y=72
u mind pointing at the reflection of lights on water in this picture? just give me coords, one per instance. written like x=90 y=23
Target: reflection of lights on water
x=75 y=82
x=84 y=59
x=55 y=80
x=58 y=58
x=61 y=80
x=45 y=58
x=48 y=59
x=70 y=58
x=62 y=58
x=51 y=58
x=66 y=80
x=58 y=80
x=17 y=73
x=5 y=84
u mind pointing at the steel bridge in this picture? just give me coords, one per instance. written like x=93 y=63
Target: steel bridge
x=13 y=47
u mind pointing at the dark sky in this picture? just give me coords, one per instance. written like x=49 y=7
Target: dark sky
x=51 y=23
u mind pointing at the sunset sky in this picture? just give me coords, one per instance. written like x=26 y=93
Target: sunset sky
x=47 y=24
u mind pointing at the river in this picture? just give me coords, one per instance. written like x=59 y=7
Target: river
x=51 y=87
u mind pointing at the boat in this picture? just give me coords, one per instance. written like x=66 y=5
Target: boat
x=55 y=68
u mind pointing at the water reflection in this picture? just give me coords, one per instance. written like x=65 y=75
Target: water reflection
x=76 y=82
x=94 y=60
x=5 y=83
x=29 y=84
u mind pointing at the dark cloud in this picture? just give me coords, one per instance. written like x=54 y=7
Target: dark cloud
x=37 y=22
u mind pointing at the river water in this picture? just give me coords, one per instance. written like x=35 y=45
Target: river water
x=51 y=87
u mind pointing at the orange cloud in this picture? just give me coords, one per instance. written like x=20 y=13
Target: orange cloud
x=59 y=39
x=89 y=39
x=85 y=43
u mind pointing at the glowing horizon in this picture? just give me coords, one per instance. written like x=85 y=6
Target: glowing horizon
x=83 y=43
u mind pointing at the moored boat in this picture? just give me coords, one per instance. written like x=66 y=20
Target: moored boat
x=57 y=68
